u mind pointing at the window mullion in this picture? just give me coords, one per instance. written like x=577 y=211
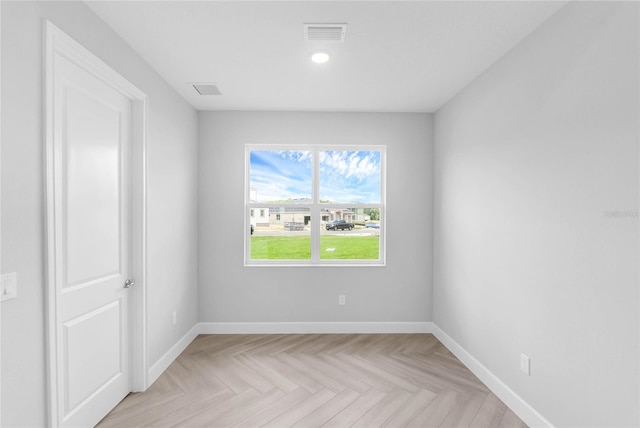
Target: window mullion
x=315 y=210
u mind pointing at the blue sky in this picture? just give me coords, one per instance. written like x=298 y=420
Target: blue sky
x=345 y=176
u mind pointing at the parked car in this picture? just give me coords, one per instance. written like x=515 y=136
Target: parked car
x=372 y=225
x=339 y=225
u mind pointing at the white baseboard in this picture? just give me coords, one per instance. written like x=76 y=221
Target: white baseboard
x=520 y=407
x=313 y=327
x=165 y=361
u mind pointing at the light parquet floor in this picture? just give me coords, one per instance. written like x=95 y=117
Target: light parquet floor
x=337 y=380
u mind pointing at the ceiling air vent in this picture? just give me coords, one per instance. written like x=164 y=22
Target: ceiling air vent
x=325 y=32
x=206 y=88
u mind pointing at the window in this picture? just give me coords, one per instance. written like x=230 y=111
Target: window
x=326 y=205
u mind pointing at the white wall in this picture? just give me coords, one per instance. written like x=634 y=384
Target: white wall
x=172 y=191
x=531 y=159
x=230 y=292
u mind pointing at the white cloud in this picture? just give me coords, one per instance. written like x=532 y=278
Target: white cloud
x=350 y=164
x=350 y=176
x=299 y=156
x=281 y=175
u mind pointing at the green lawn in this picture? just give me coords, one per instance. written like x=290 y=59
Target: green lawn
x=299 y=247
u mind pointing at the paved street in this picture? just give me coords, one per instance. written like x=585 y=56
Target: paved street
x=354 y=232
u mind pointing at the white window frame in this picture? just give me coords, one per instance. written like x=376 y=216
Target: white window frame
x=315 y=206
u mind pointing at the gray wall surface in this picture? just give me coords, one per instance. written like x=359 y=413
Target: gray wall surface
x=172 y=192
x=536 y=216
x=230 y=292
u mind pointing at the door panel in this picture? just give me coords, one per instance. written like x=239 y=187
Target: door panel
x=92 y=156
x=91 y=368
x=91 y=149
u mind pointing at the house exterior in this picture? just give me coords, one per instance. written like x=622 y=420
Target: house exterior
x=293 y=214
x=258 y=217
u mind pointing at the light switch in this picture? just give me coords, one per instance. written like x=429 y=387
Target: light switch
x=9 y=286
x=525 y=364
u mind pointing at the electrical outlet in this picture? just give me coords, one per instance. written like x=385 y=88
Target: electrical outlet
x=342 y=300
x=525 y=364
x=9 y=286
x=174 y=318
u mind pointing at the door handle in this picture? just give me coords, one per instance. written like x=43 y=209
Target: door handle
x=128 y=283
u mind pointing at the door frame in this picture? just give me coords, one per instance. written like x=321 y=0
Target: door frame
x=0 y=207
x=56 y=42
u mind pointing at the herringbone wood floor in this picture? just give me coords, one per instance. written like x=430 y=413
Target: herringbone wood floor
x=390 y=380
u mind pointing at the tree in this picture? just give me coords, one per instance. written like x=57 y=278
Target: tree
x=373 y=213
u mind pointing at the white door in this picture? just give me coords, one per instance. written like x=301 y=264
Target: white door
x=91 y=188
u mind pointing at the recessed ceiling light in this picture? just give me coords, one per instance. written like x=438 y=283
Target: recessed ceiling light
x=320 y=57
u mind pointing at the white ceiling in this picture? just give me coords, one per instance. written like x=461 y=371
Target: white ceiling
x=398 y=56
